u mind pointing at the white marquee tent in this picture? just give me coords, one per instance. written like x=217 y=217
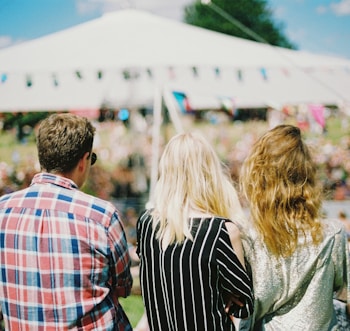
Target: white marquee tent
x=122 y=57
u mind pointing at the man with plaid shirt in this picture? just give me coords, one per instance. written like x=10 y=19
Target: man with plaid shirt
x=63 y=253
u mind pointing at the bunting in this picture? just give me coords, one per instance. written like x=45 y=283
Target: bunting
x=182 y=101
x=29 y=81
x=3 y=78
x=263 y=73
x=134 y=74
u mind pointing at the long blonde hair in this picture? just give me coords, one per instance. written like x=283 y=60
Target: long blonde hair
x=191 y=176
x=279 y=180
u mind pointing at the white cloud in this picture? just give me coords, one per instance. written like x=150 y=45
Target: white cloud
x=168 y=8
x=86 y=7
x=5 y=41
x=298 y=34
x=280 y=12
x=341 y=8
x=321 y=10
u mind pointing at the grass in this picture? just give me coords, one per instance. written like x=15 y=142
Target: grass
x=133 y=307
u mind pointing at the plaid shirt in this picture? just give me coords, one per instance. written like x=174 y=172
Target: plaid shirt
x=64 y=259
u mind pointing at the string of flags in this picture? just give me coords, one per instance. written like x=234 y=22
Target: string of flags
x=134 y=74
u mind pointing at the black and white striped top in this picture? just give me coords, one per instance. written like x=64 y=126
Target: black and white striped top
x=183 y=286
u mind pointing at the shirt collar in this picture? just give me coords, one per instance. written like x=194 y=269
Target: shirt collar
x=47 y=178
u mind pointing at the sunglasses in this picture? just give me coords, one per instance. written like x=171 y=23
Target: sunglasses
x=93 y=158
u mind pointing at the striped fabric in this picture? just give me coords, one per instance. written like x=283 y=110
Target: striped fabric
x=182 y=285
x=63 y=258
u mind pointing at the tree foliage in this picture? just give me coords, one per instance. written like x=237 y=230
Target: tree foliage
x=254 y=15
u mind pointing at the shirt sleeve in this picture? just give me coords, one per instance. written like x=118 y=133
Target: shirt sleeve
x=234 y=278
x=342 y=266
x=120 y=258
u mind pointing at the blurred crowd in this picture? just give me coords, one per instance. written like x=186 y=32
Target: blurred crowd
x=122 y=173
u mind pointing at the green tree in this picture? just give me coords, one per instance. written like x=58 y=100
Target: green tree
x=248 y=19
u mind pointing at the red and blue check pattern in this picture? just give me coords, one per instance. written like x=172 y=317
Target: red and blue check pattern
x=63 y=257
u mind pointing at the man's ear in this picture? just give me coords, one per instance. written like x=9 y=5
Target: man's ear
x=83 y=162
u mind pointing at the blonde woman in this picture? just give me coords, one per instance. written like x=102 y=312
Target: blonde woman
x=298 y=260
x=191 y=259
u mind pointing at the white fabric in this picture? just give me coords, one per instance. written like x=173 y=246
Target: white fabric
x=140 y=41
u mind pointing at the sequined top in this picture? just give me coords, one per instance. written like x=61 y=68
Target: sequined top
x=296 y=293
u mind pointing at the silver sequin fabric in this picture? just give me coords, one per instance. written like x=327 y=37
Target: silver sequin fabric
x=296 y=293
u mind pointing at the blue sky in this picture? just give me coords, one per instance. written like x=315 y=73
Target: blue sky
x=318 y=26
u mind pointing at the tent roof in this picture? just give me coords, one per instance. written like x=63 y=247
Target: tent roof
x=161 y=51
x=132 y=38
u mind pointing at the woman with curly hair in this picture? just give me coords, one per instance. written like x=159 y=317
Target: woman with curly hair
x=299 y=260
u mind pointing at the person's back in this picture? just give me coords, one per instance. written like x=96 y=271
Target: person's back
x=191 y=261
x=183 y=292
x=295 y=293
x=299 y=261
x=63 y=253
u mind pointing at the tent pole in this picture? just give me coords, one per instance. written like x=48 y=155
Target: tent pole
x=157 y=121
